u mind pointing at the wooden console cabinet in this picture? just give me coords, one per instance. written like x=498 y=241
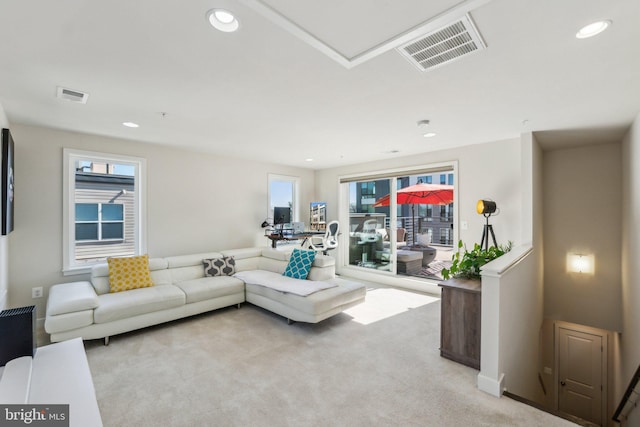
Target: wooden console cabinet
x=460 y=321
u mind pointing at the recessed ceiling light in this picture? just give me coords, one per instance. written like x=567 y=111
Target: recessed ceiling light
x=593 y=29
x=223 y=20
x=429 y=134
x=130 y=124
x=308 y=160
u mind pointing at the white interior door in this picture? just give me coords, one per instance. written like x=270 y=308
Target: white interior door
x=581 y=374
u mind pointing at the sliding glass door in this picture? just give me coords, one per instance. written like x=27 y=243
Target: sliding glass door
x=402 y=223
x=369 y=225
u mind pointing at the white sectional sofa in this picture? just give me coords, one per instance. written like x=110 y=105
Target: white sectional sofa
x=58 y=374
x=88 y=310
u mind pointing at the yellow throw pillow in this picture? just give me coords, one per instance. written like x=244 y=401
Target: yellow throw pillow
x=129 y=273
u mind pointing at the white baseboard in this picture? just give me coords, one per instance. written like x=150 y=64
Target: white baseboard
x=490 y=385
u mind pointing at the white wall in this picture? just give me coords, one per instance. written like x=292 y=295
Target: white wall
x=490 y=170
x=195 y=202
x=628 y=355
x=537 y=228
x=582 y=199
x=4 y=241
x=512 y=296
x=511 y=319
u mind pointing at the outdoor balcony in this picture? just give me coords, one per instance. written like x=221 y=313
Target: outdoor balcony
x=370 y=244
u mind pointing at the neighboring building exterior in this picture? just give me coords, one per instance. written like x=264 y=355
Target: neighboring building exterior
x=104 y=215
x=429 y=219
x=318 y=216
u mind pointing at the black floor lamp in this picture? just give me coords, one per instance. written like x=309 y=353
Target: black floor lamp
x=486 y=208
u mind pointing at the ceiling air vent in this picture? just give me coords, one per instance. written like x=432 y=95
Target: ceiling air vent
x=72 y=95
x=444 y=45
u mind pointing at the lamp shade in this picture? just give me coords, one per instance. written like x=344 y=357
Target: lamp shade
x=486 y=207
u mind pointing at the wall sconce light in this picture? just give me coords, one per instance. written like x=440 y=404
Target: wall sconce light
x=580 y=263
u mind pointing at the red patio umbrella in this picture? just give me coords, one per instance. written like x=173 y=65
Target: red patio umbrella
x=420 y=194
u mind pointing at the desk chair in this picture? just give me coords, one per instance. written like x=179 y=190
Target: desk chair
x=328 y=241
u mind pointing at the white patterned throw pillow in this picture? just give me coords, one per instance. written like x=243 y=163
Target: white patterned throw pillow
x=225 y=266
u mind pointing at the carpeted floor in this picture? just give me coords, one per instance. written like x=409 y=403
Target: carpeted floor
x=376 y=365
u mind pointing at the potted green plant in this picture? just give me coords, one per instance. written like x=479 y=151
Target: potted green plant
x=466 y=264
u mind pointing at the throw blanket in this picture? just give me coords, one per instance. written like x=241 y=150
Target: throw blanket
x=282 y=283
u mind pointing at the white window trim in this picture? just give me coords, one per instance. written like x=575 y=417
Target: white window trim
x=295 y=203
x=69 y=267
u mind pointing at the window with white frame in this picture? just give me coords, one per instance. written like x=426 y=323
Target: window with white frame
x=283 y=192
x=103 y=208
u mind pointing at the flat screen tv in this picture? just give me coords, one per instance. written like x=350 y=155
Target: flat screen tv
x=281 y=215
x=7 y=182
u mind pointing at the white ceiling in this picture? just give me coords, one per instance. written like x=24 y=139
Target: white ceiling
x=273 y=92
x=363 y=24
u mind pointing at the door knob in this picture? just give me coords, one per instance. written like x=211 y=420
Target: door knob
x=562 y=383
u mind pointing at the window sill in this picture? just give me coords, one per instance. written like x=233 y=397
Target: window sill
x=75 y=271
x=99 y=242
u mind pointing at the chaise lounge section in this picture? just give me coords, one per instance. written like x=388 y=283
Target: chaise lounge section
x=88 y=310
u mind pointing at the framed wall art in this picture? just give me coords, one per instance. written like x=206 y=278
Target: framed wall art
x=7 y=182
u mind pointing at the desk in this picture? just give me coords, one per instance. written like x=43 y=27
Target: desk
x=276 y=237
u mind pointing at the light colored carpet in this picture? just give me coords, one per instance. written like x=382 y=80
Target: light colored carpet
x=376 y=365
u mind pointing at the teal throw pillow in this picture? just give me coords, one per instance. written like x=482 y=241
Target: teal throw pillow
x=299 y=264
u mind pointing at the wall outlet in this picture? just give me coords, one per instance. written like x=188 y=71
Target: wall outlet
x=37 y=292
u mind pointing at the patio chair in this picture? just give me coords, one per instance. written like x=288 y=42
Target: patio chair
x=327 y=241
x=401 y=239
x=369 y=231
